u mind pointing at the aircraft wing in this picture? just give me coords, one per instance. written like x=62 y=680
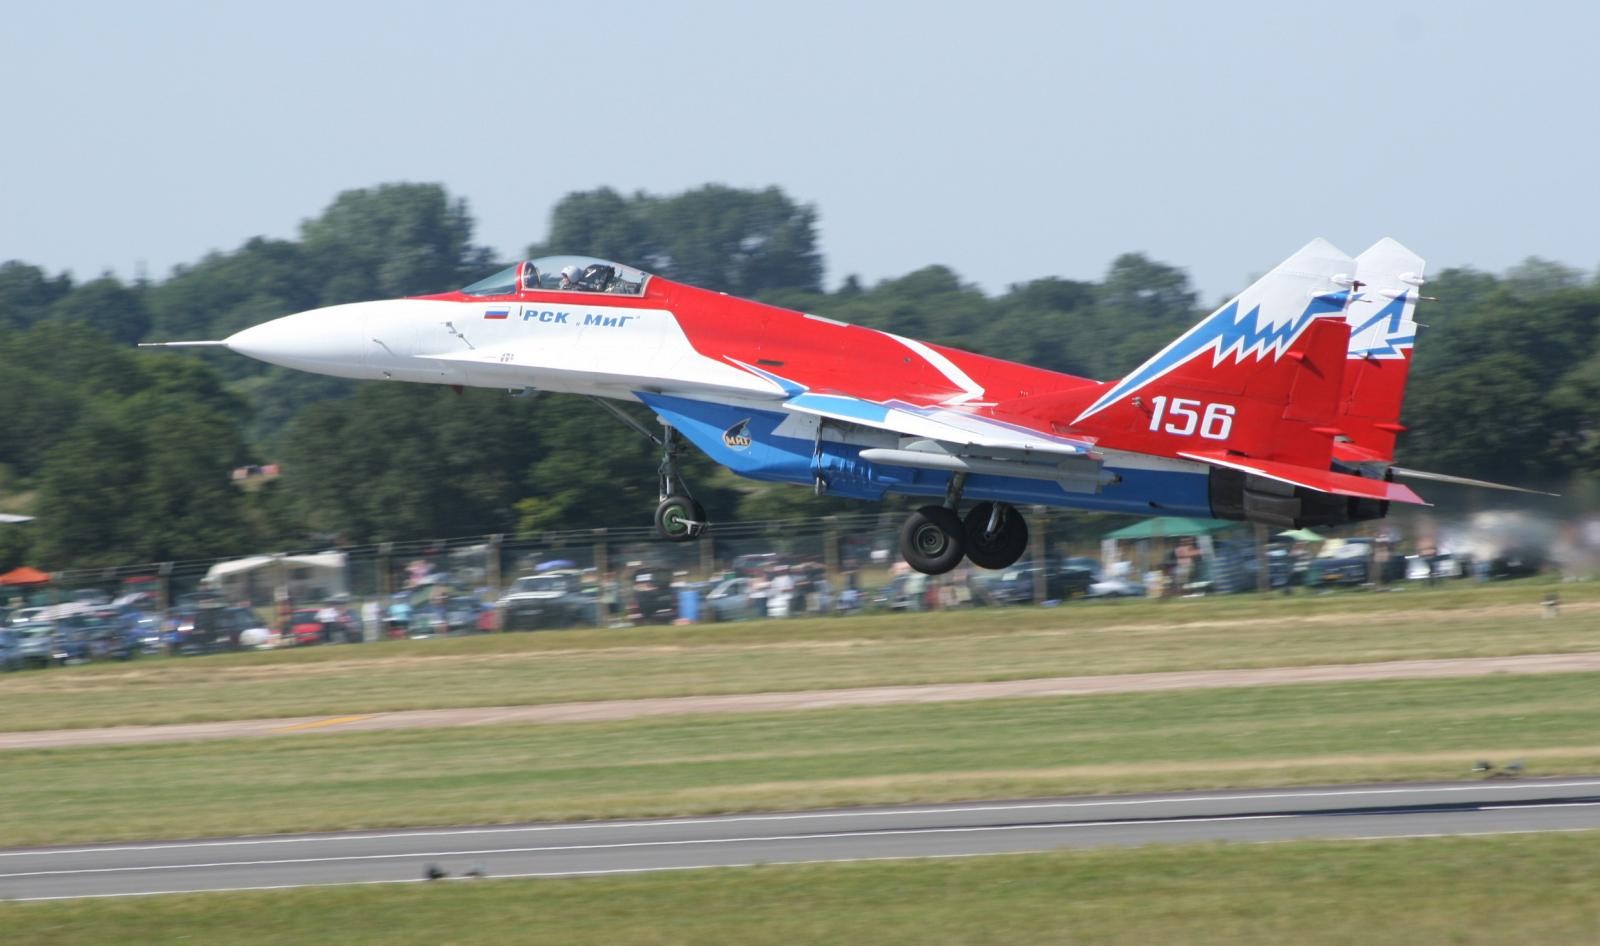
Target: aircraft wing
x=955 y=427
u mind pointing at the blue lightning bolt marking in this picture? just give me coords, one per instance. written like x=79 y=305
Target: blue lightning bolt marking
x=1393 y=341
x=1225 y=334
x=789 y=388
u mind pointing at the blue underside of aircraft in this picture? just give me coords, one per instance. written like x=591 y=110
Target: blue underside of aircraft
x=745 y=441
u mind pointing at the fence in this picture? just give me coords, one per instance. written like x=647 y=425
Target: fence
x=856 y=551
x=486 y=565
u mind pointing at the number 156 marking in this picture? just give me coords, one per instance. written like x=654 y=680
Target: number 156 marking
x=1187 y=416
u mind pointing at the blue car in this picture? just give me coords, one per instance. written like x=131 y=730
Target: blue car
x=38 y=645
x=10 y=654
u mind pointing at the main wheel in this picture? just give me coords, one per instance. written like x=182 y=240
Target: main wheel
x=680 y=519
x=1004 y=546
x=930 y=540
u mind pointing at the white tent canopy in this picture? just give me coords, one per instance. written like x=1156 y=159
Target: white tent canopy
x=303 y=577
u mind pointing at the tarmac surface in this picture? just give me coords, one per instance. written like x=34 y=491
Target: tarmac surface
x=965 y=830
x=611 y=710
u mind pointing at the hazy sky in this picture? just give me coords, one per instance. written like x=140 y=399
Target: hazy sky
x=1006 y=140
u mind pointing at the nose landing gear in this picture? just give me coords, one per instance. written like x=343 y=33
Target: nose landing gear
x=679 y=518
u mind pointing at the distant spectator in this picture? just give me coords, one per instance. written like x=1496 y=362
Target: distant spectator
x=779 y=593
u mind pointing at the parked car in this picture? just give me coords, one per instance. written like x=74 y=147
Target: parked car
x=651 y=600
x=904 y=592
x=1440 y=565
x=553 y=599
x=37 y=646
x=1112 y=586
x=207 y=627
x=24 y=616
x=1064 y=579
x=1340 y=562
x=463 y=614
x=731 y=600
x=91 y=639
x=305 y=628
x=753 y=564
x=10 y=651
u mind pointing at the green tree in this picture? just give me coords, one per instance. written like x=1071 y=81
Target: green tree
x=226 y=292
x=1537 y=277
x=1141 y=306
x=738 y=241
x=392 y=240
x=601 y=223
x=1489 y=419
x=408 y=461
x=106 y=305
x=26 y=293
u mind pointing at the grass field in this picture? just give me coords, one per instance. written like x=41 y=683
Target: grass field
x=1325 y=733
x=1466 y=891
x=977 y=645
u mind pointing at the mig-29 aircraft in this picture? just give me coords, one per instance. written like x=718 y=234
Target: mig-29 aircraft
x=1281 y=407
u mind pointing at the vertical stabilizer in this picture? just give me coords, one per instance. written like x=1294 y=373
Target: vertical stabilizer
x=1383 y=332
x=1227 y=383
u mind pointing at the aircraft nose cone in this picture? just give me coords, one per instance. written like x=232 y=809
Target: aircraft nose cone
x=331 y=340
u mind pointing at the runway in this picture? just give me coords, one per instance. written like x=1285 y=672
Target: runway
x=961 y=830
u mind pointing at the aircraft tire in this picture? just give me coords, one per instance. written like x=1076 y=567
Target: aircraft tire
x=931 y=540
x=680 y=519
x=1002 y=549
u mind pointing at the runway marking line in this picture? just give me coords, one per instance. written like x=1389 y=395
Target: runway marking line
x=1108 y=801
x=320 y=723
x=678 y=842
x=605 y=872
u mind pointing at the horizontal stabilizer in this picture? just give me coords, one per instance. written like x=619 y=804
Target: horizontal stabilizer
x=1466 y=481
x=1323 y=481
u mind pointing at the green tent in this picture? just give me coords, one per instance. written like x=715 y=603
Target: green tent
x=1170 y=527
x=1300 y=535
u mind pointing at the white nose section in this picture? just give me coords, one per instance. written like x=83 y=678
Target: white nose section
x=332 y=341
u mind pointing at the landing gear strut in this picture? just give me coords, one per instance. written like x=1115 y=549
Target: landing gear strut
x=679 y=518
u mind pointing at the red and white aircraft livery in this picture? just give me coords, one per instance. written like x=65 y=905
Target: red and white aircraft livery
x=1281 y=407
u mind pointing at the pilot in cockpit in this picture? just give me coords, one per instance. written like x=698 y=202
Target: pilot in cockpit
x=569 y=278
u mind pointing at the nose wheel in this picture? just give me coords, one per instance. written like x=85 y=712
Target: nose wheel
x=680 y=519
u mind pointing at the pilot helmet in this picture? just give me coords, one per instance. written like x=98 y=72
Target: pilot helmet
x=569 y=274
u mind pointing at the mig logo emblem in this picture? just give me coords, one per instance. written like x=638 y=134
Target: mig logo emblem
x=737 y=437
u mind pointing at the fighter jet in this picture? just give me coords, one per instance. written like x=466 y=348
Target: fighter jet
x=1281 y=407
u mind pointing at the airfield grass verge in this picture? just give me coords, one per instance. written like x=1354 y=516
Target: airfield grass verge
x=1245 y=631
x=1469 y=891
x=1309 y=734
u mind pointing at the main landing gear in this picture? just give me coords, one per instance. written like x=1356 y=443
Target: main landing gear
x=934 y=538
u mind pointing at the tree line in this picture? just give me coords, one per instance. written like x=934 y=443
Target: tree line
x=126 y=455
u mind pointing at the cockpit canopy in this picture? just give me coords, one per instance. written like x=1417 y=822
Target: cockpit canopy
x=562 y=274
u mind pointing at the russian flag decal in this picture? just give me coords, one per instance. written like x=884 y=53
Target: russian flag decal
x=496 y=313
